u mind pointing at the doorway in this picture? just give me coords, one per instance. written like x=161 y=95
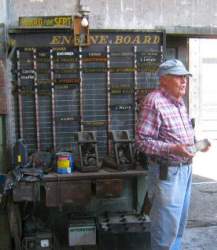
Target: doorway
x=203 y=101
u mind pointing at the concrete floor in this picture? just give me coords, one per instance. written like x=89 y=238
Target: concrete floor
x=201 y=232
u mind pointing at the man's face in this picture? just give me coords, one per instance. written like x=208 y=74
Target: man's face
x=174 y=84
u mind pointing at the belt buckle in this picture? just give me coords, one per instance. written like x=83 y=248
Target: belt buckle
x=181 y=164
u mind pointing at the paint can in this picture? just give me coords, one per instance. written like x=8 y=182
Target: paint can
x=65 y=163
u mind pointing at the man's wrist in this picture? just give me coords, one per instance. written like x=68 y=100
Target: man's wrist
x=171 y=148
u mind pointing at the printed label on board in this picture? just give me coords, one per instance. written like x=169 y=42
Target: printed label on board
x=121 y=107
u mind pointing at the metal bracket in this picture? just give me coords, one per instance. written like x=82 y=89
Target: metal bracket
x=88 y=151
x=123 y=150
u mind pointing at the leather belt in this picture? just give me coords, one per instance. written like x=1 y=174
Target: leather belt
x=178 y=163
x=165 y=164
x=170 y=163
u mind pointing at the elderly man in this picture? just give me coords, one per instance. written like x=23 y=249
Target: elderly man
x=164 y=132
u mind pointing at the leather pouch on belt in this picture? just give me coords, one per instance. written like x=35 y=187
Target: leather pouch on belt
x=163 y=172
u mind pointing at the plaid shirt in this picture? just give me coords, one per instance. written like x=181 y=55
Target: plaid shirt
x=163 y=121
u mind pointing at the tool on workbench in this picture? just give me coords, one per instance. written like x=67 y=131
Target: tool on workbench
x=122 y=151
x=88 y=151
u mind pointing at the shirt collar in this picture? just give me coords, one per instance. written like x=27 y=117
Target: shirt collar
x=172 y=98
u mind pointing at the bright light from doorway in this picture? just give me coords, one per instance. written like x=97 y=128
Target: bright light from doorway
x=203 y=102
x=40 y=1
x=205 y=164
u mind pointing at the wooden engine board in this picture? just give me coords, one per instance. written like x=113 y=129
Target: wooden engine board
x=60 y=89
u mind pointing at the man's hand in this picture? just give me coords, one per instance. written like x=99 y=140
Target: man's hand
x=205 y=149
x=181 y=150
x=203 y=145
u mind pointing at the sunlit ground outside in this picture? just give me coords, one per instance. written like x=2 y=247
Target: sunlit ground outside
x=205 y=164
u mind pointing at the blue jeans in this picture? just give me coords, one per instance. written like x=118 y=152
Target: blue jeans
x=170 y=202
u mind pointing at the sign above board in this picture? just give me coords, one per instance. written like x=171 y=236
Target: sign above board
x=45 y=22
x=118 y=39
x=60 y=41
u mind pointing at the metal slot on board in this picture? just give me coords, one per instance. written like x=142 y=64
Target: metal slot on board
x=66 y=60
x=153 y=57
x=121 y=86
x=45 y=87
x=94 y=70
x=67 y=81
x=27 y=92
x=145 y=91
x=43 y=60
x=95 y=59
x=27 y=49
x=44 y=93
x=66 y=71
x=28 y=87
x=27 y=71
x=122 y=91
x=66 y=53
x=44 y=81
x=40 y=87
x=31 y=91
x=15 y=71
x=44 y=90
x=112 y=70
x=26 y=55
x=23 y=90
x=78 y=53
x=121 y=54
x=152 y=68
x=25 y=61
x=43 y=54
x=94 y=123
x=55 y=49
x=94 y=54
x=122 y=69
x=27 y=77
x=66 y=86
x=67 y=119
x=43 y=71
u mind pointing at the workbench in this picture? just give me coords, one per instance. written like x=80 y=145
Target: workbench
x=101 y=174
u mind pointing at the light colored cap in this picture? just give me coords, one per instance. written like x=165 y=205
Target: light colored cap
x=173 y=67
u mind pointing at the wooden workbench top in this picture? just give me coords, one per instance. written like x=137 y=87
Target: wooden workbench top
x=100 y=174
